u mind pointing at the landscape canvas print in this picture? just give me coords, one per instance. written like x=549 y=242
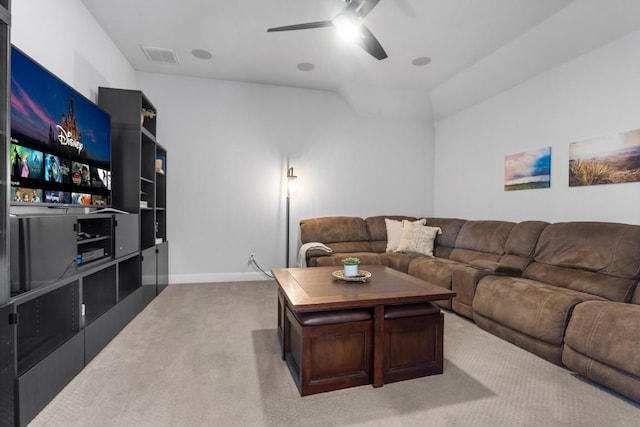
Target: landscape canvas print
x=528 y=170
x=609 y=159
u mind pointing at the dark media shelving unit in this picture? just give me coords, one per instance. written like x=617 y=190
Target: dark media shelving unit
x=70 y=282
x=7 y=309
x=139 y=184
x=66 y=317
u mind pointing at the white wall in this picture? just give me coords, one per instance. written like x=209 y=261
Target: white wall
x=67 y=40
x=229 y=145
x=596 y=94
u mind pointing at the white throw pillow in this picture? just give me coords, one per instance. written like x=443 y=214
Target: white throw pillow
x=394 y=232
x=417 y=238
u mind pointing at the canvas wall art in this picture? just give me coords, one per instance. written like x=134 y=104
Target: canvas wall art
x=609 y=159
x=528 y=170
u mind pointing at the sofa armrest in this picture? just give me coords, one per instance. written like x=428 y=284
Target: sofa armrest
x=497 y=267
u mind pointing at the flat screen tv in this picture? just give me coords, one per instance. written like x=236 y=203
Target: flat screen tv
x=60 y=150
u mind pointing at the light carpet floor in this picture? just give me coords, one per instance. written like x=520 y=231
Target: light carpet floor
x=207 y=355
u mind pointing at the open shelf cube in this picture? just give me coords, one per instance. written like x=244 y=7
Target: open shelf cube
x=45 y=323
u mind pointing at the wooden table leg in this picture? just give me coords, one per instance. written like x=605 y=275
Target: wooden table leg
x=280 y=323
x=378 y=346
x=286 y=334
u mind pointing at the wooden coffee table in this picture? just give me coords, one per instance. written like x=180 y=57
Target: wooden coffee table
x=308 y=290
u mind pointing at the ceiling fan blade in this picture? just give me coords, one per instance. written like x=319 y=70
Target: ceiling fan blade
x=365 y=6
x=306 y=26
x=369 y=43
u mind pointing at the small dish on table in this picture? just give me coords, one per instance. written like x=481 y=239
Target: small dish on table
x=362 y=276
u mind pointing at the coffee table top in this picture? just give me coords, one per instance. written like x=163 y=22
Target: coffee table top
x=315 y=289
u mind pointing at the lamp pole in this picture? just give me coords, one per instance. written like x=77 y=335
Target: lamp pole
x=290 y=182
x=288 y=207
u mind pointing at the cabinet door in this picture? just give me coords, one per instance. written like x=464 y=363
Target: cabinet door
x=37 y=261
x=163 y=266
x=127 y=234
x=149 y=267
x=7 y=368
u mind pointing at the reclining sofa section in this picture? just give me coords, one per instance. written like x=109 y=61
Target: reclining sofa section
x=567 y=292
x=573 y=262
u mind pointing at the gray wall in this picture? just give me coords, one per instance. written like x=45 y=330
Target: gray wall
x=229 y=146
x=595 y=95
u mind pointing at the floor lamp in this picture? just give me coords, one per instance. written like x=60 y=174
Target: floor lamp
x=291 y=182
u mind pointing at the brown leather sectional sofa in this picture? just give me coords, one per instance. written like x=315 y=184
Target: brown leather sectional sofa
x=567 y=292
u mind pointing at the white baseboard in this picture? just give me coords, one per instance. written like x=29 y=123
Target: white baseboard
x=214 y=277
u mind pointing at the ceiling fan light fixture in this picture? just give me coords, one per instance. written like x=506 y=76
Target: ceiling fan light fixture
x=348 y=28
x=349 y=24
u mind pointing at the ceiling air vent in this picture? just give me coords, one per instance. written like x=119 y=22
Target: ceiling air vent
x=160 y=55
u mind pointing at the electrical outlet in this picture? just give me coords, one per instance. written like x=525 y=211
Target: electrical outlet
x=252 y=258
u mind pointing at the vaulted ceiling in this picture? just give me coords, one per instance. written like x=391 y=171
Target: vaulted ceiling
x=475 y=49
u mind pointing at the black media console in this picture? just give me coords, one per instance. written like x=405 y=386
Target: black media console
x=75 y=283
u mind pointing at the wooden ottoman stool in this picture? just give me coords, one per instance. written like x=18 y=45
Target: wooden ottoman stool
x=329 y=350
x=413 y=340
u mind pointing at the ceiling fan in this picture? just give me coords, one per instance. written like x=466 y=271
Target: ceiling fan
x=348 y=21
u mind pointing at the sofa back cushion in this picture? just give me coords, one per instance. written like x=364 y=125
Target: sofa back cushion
x=636 y=295
x=340 y=233
x=446 y=241
x=521 y=244
x=484 y=240
x=599 y=258
x=378 y=230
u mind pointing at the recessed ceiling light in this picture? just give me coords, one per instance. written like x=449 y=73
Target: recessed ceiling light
x=201 y=54
x=421 y=60
x=306 y=66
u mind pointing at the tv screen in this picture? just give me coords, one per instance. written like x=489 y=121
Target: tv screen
x=60 y=140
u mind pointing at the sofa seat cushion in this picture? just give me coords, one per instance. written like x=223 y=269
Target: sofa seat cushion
x=607 y=332
x=346 y=247
x=536 y=309
x=435 y=270
x=464 y=279
x=336 y=258
x=397 y=260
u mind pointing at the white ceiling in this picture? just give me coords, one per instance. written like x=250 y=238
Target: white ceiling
x=477 y=47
